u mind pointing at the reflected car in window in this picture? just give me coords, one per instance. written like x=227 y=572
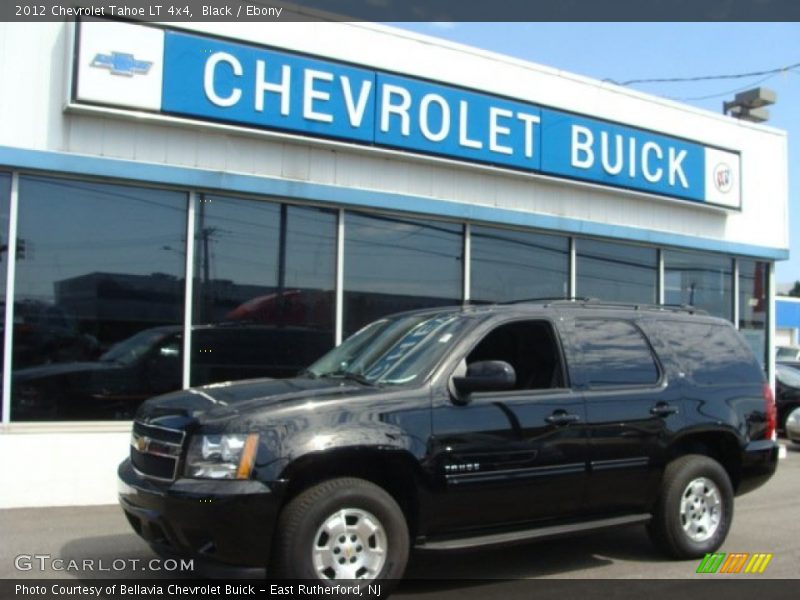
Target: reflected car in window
x=46 y=333
x=787 y=353
x=150 y=363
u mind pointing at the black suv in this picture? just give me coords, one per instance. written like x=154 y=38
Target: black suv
x=459 y=427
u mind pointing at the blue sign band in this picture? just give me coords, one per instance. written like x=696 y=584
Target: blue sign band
x=218 y=80
x=258 y=87
x=619 y=156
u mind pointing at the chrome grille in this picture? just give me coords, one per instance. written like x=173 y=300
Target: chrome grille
x=156 y=451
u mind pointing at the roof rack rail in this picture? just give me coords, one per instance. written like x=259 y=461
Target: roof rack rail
x=688 y=308
x=551 y=299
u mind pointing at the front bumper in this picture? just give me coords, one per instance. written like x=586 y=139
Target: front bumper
x=227 y=521
x=759 y=462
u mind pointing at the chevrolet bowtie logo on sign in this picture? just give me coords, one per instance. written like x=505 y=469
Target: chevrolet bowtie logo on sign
x=121 y=63
x=735 y=562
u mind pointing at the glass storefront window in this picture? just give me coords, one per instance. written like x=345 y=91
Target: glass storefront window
x=753 y=286
x=98 y=299
x=616 y=272
x=393 y=264
x=99 y=287
x=701 y=280
x=5 y=190
x=509 y=265
x=265 y=275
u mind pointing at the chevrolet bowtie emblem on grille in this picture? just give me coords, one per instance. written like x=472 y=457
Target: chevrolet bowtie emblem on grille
x=121 y=63
x=141 y=444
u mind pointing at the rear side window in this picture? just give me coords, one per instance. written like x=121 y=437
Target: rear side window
x=710 y=353
x=614 y=353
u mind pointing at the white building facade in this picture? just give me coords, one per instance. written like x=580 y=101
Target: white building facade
x=191 y=203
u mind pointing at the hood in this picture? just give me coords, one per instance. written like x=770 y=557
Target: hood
x=57 y=369
x=221 y=400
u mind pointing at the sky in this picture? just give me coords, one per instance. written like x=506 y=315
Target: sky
x=626 y=51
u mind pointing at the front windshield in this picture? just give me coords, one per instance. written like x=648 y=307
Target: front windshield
x=393 y=351
x=130 y=350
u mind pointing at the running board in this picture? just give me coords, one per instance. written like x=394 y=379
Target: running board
x=510 y=537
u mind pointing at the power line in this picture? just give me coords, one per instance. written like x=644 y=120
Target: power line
x=726 y=93
x=708 y=77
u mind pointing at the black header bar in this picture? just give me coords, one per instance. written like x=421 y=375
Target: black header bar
x=404 y=10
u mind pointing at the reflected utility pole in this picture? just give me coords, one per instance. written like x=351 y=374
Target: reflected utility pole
x=282 y=265
x=205 y=234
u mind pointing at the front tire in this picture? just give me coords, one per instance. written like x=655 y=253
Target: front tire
x=694 y=510
x=343 y=528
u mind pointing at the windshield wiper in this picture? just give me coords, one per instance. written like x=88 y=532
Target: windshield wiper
x=357 y=377
x=348 y=375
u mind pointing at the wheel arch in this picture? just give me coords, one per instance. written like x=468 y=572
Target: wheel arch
x=721 y=445
x=394 y=470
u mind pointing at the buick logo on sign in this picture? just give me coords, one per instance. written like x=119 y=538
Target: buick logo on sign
x=723 y=177
x=121 y=63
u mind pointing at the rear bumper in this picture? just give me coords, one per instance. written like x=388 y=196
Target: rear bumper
x=227 y=521
x=759 y=462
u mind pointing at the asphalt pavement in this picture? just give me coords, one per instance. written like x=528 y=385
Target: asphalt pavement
x=766 y=521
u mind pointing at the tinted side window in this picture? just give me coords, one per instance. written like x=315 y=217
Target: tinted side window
x=614 y=353
x=710 y=353
x=530 y=347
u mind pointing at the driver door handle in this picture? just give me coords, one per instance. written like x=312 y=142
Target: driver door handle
x=664 y=409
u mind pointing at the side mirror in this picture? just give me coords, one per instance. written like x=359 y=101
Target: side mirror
x=486 y=376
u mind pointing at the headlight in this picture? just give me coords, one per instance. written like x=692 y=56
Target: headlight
x=223 y=456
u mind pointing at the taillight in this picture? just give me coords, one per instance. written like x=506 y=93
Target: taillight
x=771 y=413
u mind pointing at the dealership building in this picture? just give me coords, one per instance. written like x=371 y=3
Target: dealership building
x=198 y=202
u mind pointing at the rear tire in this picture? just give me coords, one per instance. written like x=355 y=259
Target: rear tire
x=694 y=510
x=344 y=528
